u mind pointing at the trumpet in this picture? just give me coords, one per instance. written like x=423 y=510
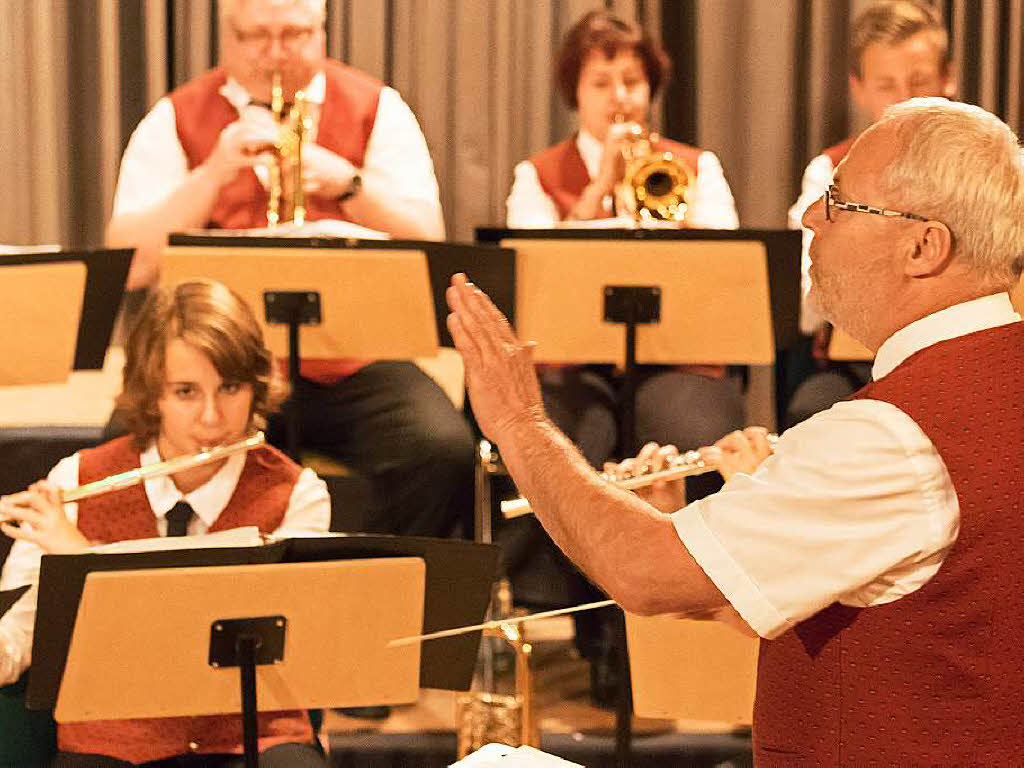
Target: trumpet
x=656 y=185
x=689 y=464
x=294 y=128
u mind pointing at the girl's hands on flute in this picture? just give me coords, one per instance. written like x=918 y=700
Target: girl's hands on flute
x=37 y=515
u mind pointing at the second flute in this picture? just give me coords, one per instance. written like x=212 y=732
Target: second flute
x=687 y=464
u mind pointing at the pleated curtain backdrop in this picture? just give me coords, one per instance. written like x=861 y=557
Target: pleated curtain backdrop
x=760 y=82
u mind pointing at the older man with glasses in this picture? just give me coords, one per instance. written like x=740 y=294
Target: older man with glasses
x=875 y=551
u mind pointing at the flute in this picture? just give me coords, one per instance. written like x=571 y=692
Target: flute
x=157 y=469
x=160 y=468
x=687 y=464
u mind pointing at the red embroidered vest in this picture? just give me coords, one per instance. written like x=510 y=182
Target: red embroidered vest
x=346 y=120
x=260 y=498
x=933 y=678
x=563 y=175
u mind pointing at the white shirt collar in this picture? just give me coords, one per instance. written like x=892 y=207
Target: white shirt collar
x=239 y=97
x=590 y=148
x=208 y=500
x=949 y=323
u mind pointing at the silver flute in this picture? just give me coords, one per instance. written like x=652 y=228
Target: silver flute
x=686 y=464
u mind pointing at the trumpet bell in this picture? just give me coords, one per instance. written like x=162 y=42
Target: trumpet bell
x=657 y=187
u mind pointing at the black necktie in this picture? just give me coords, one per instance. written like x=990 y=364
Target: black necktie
x=178 y=517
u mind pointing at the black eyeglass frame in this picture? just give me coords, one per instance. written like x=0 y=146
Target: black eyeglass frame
x=833 y=199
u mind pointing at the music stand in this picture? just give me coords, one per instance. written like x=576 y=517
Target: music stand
x=106 y=272
x=264 y=626
x=45 y=353
x=351 y=303
x=692 y=670
x=452 y=567
x=715 y=305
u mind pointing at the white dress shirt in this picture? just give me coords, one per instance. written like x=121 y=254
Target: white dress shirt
x=817 y=177
x=529 y=207
x=154 y=163
x=308 y=511
x=855 y=505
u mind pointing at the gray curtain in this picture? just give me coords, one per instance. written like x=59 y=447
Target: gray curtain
x=760 y=82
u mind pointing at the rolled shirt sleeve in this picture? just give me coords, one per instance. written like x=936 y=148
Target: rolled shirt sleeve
x=855 y=506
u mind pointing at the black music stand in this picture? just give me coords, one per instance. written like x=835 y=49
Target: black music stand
x=106 y=272
x=453 y=567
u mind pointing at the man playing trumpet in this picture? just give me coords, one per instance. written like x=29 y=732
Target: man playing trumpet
x=873 y=551
x=197 y=375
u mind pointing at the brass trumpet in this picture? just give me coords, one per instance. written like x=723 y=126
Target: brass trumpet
x=294 y=128
x=656 y=185
x=687 y=464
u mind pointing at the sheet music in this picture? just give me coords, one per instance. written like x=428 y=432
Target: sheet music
x=504 y=756
x=334 y=228
x=248 y=536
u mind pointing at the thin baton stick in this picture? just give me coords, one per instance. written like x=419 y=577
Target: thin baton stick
x=497 y=623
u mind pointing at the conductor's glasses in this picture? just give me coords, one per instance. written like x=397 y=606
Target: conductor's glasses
x=832 y=200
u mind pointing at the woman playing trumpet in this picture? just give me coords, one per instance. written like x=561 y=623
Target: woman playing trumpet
x=197 y=374
x=609 y=71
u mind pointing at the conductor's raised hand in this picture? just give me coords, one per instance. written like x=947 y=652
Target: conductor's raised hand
x=500 y=377
x=37 y=515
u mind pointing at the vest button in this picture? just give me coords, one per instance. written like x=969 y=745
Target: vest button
x=192 y=746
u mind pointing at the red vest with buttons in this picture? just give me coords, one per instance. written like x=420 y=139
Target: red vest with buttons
x=260 y=498
x=346 y=121
x=563 y=175
x=933 y=678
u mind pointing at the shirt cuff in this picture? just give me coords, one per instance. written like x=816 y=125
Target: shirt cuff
x=727 y=574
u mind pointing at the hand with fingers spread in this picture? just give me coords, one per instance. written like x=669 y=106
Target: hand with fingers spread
x=665 y=495
x=37 y=515
x=739 y=451
x=500 y=377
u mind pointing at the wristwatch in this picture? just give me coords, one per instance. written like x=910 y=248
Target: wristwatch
x=354 y=186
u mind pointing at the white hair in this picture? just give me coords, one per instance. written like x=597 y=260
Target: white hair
x=961 y=165
x=227 y=8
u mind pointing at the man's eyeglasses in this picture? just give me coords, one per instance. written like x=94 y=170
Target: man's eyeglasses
x=832 y=200
x=260 y=37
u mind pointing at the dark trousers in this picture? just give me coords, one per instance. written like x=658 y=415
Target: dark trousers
x=396 y=427
x=672 y=406
x=281 y=756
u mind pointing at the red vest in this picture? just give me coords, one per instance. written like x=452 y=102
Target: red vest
x=346 y=120
x=933 y=678
x=837 y=152
x=260 y=498
x=563 y=176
